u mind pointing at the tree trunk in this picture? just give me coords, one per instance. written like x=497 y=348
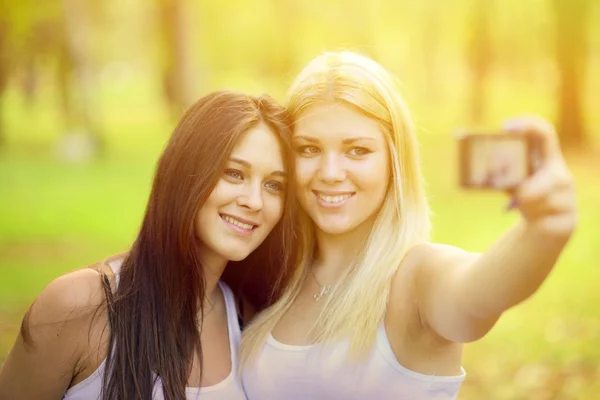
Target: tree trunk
x=4 y=59
x=480 y=57
x=279 y=58
x=571 y=58
x=78 y=73
x=180 y=81
x=431 y=21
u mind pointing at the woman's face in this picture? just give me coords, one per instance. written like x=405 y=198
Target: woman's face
x=248 y=200
x=342 y=167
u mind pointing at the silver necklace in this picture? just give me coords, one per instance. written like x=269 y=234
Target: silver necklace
x=323 y=290
x=212 y=307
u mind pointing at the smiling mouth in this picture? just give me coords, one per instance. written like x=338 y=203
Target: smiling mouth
x=238 y=224
x=333 y=198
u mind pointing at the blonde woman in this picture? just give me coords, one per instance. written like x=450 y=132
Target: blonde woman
x=374 y=309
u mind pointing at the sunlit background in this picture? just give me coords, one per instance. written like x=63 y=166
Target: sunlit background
x=90 y=91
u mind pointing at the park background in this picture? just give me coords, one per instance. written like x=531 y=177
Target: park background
x=90 y=91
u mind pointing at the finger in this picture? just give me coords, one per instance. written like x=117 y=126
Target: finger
x=559 y=202
x=536 y=187
x=538 y=128
x=550 y=177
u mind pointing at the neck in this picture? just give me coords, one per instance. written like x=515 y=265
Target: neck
x=336 y=252
x=213 y=266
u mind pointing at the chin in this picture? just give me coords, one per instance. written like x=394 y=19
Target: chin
x=335 y=227
x=333 y=231
x=238 y=255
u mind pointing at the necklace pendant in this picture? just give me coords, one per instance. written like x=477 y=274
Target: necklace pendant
x=323 y=292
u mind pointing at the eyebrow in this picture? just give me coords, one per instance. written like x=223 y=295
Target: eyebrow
x=249 y=166
x=307 y=138
x=345 y=141
x=356 y=139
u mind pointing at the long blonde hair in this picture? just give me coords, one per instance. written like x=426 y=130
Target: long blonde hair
x=355 y=308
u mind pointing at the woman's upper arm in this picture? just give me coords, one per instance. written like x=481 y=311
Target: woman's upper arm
x=42 y=365
x=440 y=290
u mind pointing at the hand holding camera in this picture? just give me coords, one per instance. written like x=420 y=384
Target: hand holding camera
x=525 y=160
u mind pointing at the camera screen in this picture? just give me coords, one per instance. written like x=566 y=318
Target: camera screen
x=497 y=162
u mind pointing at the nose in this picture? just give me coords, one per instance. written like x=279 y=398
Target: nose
x=251 y=196
x=331 y=170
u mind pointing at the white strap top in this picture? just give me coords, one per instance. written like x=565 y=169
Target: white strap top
x=323 y=372
x=229 y=388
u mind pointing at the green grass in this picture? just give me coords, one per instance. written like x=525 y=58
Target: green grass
x=56 y=217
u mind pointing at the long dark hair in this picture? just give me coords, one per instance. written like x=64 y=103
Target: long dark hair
x=153 y=313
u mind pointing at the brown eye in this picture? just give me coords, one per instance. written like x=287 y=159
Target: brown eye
x=274 y=186
x=307 y=149
x=359 y=151
x=235 y=174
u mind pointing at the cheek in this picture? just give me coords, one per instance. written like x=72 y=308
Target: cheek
x=384 y=170
x=201 y=222
x=305 y=170
x=204 y=212
x=274 y=210
x=222 y=194
x=383 y=176
x=372 y=175
x=217 y=198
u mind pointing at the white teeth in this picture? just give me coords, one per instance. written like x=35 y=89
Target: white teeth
x=334 y=199
x=237 y=223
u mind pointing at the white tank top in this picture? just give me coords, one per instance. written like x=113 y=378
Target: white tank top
x=323 y=372
x=229 y=388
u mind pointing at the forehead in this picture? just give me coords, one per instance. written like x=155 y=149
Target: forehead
x=260 y=147
x=336 y=121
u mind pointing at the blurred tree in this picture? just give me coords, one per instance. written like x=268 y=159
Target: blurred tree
x=4 y=58
x=479 y=56
x=31 y=33
x=180 y=82
x=287 y=13
x=571 y=18
x=431 y=20
x=56 y=34
x=77 y=78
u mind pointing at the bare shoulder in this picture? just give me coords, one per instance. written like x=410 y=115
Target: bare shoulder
x=54 y=341
x=73 y=291
x=429 y=253
x=69 y=299
x=435 y=258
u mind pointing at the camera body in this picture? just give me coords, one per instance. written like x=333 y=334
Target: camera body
x=497 y=160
